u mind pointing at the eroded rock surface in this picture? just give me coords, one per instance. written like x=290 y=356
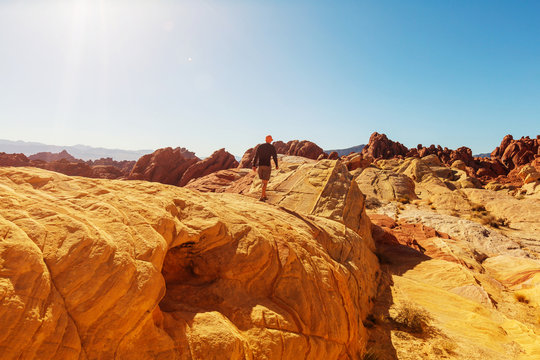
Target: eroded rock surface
x=108 y=269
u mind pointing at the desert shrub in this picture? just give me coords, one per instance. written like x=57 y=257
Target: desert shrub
x=494 y=222
x=478 y=207
x=412 y=318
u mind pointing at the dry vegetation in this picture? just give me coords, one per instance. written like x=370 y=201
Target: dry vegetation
x=480 y=214
x=411 y=318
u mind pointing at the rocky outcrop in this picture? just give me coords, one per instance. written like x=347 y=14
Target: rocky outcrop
x=13 y=160
x=219 y=160
x=302 y=148
x=166 y=165
x=247 y=159
x=386 y=185
x=98 y=269
x=125 y=166
x=515 y=153
x=380 y=147
x=48 y=156
x=356 y=161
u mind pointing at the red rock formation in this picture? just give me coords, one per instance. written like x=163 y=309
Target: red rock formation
x=67 y=167
x=389 y=233
x=247 y=159
x=333 y=155
x=125 y=166
x=107 y=172
x=355 y=161
x=380 y=147
x=13 y=160
x=515 y=153
x=48 y=156
x=302 y=148
x=166 y=165
x=219 y=160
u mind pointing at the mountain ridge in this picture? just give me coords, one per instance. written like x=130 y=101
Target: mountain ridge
x=79 y=151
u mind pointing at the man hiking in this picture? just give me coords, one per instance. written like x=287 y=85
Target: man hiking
x=262 y=159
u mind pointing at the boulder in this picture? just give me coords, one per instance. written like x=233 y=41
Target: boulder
x=98 y=269
x=386 y=185
x=166 y=165
x=219 y=160
x=379 y=146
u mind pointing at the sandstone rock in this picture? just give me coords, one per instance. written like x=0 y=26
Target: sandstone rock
x=333 y=155
x=379 y=146
x=219 y=160
x=232 y=180
x=459 y=164
x=124 y=166
x=356 y=161
x=386 y=185
x=101 y=269
x=68 y=168
x=247 y=159
x=529 y=174
x=514 y=153
x=107 y=172
x=166 y=165
x=13 y=160
x=302 y=148
x=485 y=240
x=324 y=188
x=474 y=293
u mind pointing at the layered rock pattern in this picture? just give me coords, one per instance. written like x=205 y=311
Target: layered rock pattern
x=107 y=269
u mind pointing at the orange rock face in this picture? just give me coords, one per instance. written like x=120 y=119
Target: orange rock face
x=514 y=153
x=166 y=166
x=380 y=147
x=219 y=160
x=108 y=269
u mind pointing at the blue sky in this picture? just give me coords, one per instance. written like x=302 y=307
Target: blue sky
x=204 y=75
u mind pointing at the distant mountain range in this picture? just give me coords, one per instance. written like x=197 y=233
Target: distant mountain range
x=483 y=155
x=83 y=152
x=347 y=151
